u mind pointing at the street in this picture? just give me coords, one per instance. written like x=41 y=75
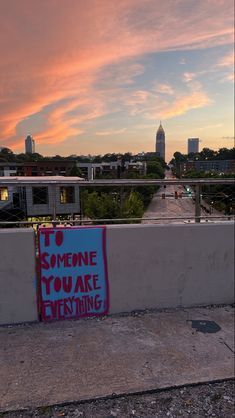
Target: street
x=170 y=206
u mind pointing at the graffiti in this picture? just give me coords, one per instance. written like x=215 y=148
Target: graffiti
x=73 y=272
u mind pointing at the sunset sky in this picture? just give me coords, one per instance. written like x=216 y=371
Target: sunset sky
x=97 y=76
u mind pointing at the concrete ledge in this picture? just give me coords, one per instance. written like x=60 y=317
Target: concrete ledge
x=149 y=267
x=167 y=266
x=18 y=301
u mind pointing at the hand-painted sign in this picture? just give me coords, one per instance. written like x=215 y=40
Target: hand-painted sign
x=73 y=272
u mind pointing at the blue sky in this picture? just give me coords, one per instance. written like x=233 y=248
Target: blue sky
x=98 y=77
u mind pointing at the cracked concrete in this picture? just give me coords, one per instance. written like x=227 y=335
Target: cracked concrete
x=45 y=364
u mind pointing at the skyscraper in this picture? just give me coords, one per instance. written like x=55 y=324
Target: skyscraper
x=29 y=145
x=160 y=142
x=193 y=145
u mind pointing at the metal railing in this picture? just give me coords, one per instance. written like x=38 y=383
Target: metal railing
x=113 y=182
x=21 y=196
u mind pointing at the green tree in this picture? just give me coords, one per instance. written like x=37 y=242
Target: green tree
x=91 y=206
x=56 y=157
x=6 y=154
x=23 y=157
x=97 y=159
x=126 y=157
x=179 y=158
x=133 y=206
x=75 y=171
x=107 y=158
x=207 y=154
x=100 y=206
x=29 y=157
x=226 y=154
x=154 y=167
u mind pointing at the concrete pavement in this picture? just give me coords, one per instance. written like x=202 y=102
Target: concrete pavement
x=44 y=364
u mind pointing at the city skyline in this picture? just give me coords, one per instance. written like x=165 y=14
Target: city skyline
x=98 y=77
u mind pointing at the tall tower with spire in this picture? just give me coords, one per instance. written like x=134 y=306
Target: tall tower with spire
x=160 y=141
x=29 y=145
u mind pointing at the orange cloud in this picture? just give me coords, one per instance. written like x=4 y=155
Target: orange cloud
x=110 y=132
x=169 y=105
x=52 y=54
x=185 y=103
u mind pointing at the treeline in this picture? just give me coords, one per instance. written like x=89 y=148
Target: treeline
x=7 y=155
x=206 y=154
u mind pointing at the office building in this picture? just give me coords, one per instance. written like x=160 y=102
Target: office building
x=193 y=145
x=63 y=168
x=160 y=142
x=219 y=166
x=29 y=145
x=39 y=197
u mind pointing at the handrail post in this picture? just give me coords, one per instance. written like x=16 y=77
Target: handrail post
x=54 y=221
x=197 y=203
x=81 y=206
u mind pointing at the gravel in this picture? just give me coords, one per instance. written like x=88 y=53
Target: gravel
x=203 y=400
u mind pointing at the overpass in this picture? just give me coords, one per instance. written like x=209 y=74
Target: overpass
x=169 y=320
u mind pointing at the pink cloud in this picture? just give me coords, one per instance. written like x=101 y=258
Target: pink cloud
x=52 y=52
x=227 y=62
x=164 y=89
x=168 y=106
x=188 y=77
x=185 y=103
x=136 y=98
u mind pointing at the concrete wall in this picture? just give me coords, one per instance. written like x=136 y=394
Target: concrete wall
x=149 y=266
x=17 y=276
x=160 y=266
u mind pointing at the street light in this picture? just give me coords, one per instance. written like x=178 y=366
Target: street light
x=211 y=207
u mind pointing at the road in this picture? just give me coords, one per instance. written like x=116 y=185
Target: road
x=171 y=207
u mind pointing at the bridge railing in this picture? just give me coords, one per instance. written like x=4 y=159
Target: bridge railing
x=44 y=200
